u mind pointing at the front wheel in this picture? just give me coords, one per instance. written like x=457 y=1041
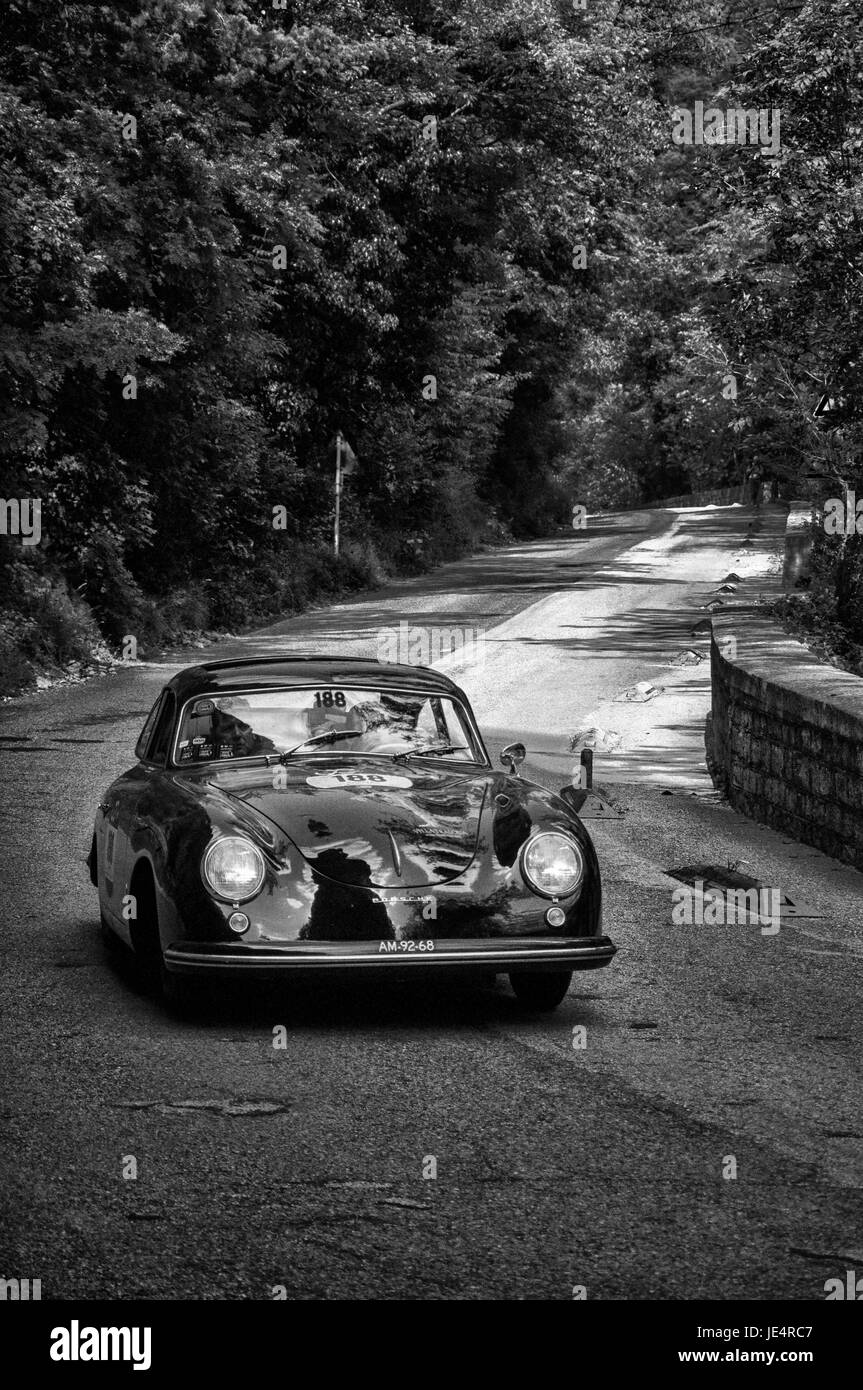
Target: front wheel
x=179 y=993
x=540 y=990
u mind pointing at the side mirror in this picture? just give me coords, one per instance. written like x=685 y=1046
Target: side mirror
x=513 y=756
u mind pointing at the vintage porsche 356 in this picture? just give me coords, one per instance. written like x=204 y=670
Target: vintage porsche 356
x=334 y=814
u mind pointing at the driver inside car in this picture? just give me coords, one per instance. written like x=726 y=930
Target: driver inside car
x=233 y=738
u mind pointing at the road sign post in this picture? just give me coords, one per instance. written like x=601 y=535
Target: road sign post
x=338 y=494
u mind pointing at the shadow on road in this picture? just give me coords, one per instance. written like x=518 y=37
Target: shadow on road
x=327 y=1004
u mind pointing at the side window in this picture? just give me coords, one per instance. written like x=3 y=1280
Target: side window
x=161 y=740
x=147 y=732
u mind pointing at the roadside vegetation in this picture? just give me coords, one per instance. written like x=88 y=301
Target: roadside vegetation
x=826 y=613
x=460 y=233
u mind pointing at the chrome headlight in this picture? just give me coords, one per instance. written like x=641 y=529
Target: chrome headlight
x=233 y=868
x=552 y=864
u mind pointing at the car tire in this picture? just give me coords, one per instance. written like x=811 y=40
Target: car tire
x=180 y=995
x=144 y=932
x=541 y=990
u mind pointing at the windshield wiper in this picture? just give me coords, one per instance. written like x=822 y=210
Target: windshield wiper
x=331 y=736
x=436 y=748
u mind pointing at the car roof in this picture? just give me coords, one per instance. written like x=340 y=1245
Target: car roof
x=212 y=676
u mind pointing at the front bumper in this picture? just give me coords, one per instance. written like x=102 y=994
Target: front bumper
x=481 y=954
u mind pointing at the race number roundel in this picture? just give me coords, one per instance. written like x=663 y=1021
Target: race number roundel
x=361 y=780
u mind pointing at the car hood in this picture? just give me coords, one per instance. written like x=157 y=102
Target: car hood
x=369 y=821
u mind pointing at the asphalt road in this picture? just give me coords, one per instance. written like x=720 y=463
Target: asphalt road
x=607 y=1165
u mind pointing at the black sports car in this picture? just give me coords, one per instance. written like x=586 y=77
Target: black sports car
x=324 y=813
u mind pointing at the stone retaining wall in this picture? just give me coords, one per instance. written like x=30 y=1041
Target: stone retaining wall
x=785 y=733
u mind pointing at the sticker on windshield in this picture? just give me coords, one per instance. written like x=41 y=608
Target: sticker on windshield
x=358 y=779
x=327 y=699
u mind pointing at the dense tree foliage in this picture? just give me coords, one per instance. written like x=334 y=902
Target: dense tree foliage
x=456 y=230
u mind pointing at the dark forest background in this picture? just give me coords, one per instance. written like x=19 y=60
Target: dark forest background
x=367 y=217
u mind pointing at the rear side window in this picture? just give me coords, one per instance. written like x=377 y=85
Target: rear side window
x=147 y=731
x=161 y=739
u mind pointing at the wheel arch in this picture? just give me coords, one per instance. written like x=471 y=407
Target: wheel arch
x=144 y=926
x=92 y=861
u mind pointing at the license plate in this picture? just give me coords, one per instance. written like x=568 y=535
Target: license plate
x=405 y=948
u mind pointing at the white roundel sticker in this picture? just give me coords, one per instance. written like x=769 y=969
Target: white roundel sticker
x=358 y=779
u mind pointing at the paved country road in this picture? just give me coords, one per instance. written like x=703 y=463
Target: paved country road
x=708 y=1051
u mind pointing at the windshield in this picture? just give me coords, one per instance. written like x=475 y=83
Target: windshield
x=268 y=723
